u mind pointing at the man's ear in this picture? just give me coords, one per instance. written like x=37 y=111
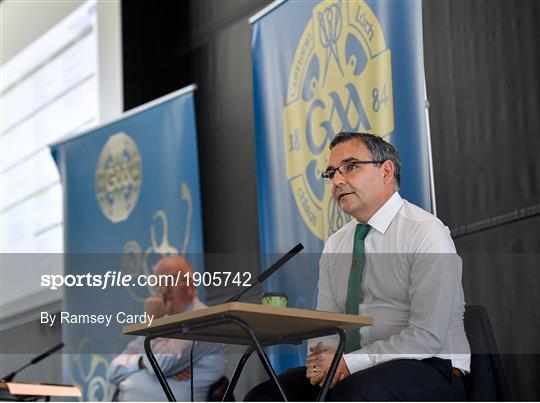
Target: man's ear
x=388 y=169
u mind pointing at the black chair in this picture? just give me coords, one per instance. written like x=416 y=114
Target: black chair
x=487 y=380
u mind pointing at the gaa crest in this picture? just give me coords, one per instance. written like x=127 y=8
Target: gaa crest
x=340 y=80
x=118 y=177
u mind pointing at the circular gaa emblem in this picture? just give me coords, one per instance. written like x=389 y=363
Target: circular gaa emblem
x=118 y=177
x=340 y=80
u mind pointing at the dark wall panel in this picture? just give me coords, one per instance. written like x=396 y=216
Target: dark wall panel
x=501 y=270
x=151 y=35
x=482 y=61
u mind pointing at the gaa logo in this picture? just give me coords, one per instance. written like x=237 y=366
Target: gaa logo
x=340 y=80
x=118 y=177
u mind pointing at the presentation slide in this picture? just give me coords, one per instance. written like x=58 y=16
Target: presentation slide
x=48 y=91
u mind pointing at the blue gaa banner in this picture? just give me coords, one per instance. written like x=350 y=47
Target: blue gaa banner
x=320 y=68
x=131 y=196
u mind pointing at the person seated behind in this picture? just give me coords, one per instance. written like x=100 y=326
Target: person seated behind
x=131 y=371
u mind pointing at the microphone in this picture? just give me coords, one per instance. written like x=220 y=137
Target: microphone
x=271 y=270
x=35 y=360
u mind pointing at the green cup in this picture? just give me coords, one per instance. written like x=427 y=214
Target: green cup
x=278 y=299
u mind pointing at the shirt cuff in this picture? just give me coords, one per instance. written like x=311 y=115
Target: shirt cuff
x=132 y=363
x=357 y=361
x=146 y=363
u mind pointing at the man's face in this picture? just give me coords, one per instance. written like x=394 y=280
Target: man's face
x=176 y=297
x=363 y=190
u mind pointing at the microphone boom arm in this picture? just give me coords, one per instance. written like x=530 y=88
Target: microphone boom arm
x=268 y=272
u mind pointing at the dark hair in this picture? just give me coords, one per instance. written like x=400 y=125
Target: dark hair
x=379 y=149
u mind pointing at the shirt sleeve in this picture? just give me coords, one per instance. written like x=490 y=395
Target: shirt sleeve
x=435 y=288
x=173 y=355
x=126 y=363
x=325 y=296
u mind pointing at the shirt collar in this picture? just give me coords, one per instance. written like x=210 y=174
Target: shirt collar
x=383 y=217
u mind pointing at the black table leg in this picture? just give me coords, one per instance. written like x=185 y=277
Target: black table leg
x=256 y=346
x=236 y=375
x=157 y=369
x=260 y=351
x=333 y=367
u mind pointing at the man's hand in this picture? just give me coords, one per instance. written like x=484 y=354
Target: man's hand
x=155 y=305
x=183 y=375
x=318 y=363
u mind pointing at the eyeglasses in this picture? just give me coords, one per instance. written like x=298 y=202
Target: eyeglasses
x=346 y=169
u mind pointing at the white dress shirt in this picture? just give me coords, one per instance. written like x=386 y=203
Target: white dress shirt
x=172 y=355
x=411 y=282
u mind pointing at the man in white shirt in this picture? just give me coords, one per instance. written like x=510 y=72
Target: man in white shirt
x=403 y=271
x=131 y=371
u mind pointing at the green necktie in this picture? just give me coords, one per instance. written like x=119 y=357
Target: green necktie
x=354 y=294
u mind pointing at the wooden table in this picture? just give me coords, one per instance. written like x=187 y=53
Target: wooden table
x=253 y=325
x=24 y=391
